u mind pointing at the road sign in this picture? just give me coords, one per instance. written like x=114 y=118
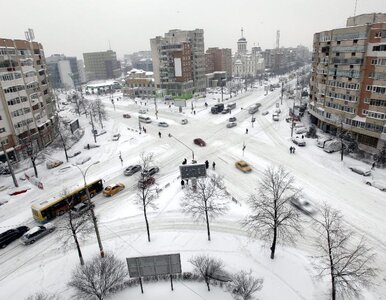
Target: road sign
x=154 y=265
x=193 y=171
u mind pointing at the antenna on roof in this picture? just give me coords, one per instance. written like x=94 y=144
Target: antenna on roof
x=355 y=7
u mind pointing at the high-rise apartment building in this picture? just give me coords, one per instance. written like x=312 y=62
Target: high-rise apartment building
x=63 y=71
x=218 y=60
x=101 y=65
x=179 y=61
x=27 y=105
x=348 y=82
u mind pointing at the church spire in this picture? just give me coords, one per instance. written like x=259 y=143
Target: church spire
x=242 y=32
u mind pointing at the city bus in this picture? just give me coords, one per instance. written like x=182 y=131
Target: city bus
x=46 y=210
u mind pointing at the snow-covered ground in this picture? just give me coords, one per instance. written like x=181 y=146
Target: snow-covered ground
x=323 y=177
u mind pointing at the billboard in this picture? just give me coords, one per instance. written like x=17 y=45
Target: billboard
x=177 y=67
x=192 y=171
x=154 y=265
x=74 y=125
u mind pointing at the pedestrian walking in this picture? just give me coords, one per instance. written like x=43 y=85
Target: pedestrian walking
x=246 y=130
x=194 y=112
x=120 y=157
x=184 y=161
x=144 y=130
x=293 y=150
x=207 y=164
x=159 y=134
x=187 y=181
x=290 y=149
x=182 y=183
x=302 y=136
x=88 y=146
x=214 y=165
x=373 y=166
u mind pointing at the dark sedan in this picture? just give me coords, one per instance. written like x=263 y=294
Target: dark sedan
x=199 y=142
x=11 y=235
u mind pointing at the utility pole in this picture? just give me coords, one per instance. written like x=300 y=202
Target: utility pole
x=341 y=139
x=156 y=109
x=282 y=91
x=222 y=93
x=9 y=165
x=139 y=126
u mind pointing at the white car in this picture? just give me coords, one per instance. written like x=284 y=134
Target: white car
x=163 y=124
x=360 y=170
x=116 y=137
x=275 y=117
x=301 y=130
x=36 y=233
x=142 y=111
x=299 y=141
x=265 y=113
x=378 y=184
x=303 y=205
x=184 y=121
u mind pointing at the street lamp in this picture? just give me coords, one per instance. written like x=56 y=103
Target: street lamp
x=30 y=154
x=84 y=173
x=171 y=136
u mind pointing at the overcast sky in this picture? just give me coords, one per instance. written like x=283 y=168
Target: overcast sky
x=73 y=27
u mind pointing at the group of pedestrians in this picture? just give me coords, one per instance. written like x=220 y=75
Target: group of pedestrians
x=207 y=165
x=292 y=150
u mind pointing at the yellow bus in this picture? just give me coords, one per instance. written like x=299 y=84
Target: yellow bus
x=46 y=210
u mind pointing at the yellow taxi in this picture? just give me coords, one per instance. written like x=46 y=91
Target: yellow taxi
x=243 y=166
x=113 y=189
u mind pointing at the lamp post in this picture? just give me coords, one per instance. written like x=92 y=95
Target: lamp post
x=9 y=165
x=30 y=154
x=171 y=136
x=84 y=173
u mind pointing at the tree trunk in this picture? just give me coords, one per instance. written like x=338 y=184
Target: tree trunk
x=207 y=220
x=146 y=221
x=273 y=247
x=207 y=283
x=76 y=240
x=333 y=289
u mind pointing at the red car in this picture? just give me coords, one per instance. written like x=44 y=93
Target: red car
x=145 y=182
x=199 y=142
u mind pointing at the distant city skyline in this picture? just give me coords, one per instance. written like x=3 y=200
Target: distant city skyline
x=76 y=27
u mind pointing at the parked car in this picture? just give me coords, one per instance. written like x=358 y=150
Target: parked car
x=378 y=184
x=184 y=121
x=36 y=233
x=83 y=160
x=299 y=125
x=275 y=117
x=11 y=235
x=111 y=190
x=300 y=130
x=233 y=119
x=332 y=146
x=226 y=111
x=303 y=205
x=90 y=146
x=199 y=142
x=116 y=137
x=264 y=113
x=243 y=166
x=81 y=208
x=132 y=170
x=53 y=164
x=150 y=171
x=145 y=182
x=231 y=124
x=321 y=142
x=360 y=170
x=163 y=124
x=299 y=141
x=74 y=154
x=126 y=116
x=142 y=111
x=277 y=110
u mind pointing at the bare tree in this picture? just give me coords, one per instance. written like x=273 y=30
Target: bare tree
x=206 y=201
x=73 y=227
x=98 y=277
x=147 y=193
x=43 y=296
x=206 y=267
x=244 y=285
x=272 y=218
x=99 y=109
x=349 y=264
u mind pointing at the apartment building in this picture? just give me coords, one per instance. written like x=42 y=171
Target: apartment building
x=348 y=82
x=179 y=61
x=139 y=83
x=63 y=71
x=217 y=59
x=101 y=65
x=27 y=105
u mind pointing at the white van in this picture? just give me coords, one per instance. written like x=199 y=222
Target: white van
x=332 y=146
x=321 y=142
x=231 y=105
x=144 y=119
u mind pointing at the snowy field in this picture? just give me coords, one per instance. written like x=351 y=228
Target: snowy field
x=46 y=265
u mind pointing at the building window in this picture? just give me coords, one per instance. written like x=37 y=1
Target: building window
x=352 y=53
x=379 y=48
x=2 y=130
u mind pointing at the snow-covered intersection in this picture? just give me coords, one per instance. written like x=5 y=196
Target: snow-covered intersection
x=46 y=266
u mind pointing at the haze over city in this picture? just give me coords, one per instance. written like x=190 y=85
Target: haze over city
x=74 y=27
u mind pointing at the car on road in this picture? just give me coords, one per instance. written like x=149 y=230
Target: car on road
x=332 y=146
x=116 y=137
x=226 y=111
x=200 y=142
x=163 y=124
x=264 y=113
x=53 y=164
x=300 y=130
x=36 y=233
x=149 y=172
x=145 y=182
x=275 y=117
x=130 y=170
x=360 y=170
x=126 y=116
x=112 y=189
x=243 y=166
x=298 y=141
x=277 y=110
x=11 y=235
x=377 y=184
x=184 y=121
x=233 y=119
x=81 y=208
x=303 y=205
x=142 y=111
x=231 y=124
x=74 y=154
